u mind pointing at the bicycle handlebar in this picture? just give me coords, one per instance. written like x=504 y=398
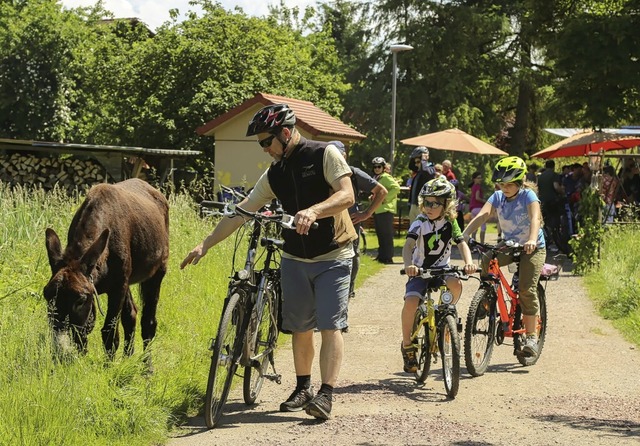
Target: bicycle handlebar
x=504 y=246
x=427 y=273
x=233 y=210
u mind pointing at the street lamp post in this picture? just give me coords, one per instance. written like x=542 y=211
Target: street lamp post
x=395 y=49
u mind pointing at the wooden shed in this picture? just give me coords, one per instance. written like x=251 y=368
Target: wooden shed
x=239 y=161
x=115 y=162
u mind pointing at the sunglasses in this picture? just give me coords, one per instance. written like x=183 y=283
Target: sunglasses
x=377 y=166
x=264 y=143
x=432 y=204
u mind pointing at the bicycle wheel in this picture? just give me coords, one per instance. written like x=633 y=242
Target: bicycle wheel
x=223 y=363
x=422 y=340
x=479 y=332
x=266 y=339
x=518 y=341
x=449 y=341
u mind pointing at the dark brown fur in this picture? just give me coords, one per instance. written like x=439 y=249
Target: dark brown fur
x=118 y=237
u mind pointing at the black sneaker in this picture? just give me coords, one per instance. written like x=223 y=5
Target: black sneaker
x=320 y=407
x=298 y=400
x=409 y=358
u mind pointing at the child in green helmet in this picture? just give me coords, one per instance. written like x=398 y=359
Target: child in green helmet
x=518 y=209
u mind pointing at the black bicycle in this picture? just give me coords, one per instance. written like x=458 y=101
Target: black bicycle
x=249 y=326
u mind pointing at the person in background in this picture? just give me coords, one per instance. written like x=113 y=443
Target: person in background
x=630 y=177
x=362 y=184
x=462 y=200
x=518 y=209
x=428 y=245
x=551 y=195
x=608 y=192
x=311 y=180
x=424 y=171
x=477 y=201
x=587 y=174
x=439 y=173
x=383 y=216
x=532 y=176
x=447 y=169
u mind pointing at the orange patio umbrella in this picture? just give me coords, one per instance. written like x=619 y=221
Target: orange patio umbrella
x=455 y=140
x=586 y=143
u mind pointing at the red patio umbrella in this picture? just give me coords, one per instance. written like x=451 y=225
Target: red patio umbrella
x=587 y=143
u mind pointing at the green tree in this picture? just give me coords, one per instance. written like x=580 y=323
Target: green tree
x=38 y=68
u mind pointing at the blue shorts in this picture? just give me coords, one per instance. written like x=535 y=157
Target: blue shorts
x=315 y=295
x=417 y=286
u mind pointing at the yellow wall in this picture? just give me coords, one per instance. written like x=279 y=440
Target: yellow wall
x=239 y=160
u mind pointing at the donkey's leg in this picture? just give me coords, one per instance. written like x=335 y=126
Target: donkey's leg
x=128 y=320
x=110 y=333
x=150 y=290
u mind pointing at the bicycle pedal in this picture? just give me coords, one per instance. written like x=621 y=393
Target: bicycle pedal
x=522 y=354
x=277 y=378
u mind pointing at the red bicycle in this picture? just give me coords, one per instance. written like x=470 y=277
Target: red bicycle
x=495 y=314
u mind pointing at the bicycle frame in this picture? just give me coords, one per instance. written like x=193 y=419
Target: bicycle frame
x=434 y=313
x=501 y=287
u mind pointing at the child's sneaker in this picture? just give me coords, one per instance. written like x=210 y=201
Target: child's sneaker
x=530 y=347
x=409 y=357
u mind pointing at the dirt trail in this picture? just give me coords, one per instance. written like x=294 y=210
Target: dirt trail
x=584 y=390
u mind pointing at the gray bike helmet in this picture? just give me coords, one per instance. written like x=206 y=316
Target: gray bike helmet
x=378 y=160
x=418 y=151
x=270 y=119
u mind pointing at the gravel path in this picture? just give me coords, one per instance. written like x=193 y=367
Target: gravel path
x=584 y=390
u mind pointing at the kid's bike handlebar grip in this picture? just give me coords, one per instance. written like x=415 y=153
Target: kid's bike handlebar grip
x=212 y=204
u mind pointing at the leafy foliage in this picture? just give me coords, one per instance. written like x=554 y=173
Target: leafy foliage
x=586 y=245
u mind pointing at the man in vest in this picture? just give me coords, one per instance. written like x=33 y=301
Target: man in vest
x=424 y=171
x=311 y=180
x=362 y=184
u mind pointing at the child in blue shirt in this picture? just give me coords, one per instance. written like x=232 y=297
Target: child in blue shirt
x=518 y=209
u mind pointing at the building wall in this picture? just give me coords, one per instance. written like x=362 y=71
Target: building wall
x=239 y=160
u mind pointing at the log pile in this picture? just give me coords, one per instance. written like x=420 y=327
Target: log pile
x=47 y=172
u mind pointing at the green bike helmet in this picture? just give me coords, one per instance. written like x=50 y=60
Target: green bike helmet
x=511 y=169
x=438 y=187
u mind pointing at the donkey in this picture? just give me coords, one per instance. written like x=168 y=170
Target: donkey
x=119 y=236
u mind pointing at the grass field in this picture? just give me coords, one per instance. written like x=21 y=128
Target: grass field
x=87 y=400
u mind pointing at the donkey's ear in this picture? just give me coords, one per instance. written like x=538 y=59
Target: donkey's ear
x=90 y=258
x=54 y=249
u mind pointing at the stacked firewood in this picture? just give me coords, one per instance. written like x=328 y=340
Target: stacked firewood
x=47 y=172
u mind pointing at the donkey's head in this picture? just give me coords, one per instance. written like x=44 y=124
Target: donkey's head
x=70 y=291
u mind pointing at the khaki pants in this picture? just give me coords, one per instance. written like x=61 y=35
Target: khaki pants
x=530 y=268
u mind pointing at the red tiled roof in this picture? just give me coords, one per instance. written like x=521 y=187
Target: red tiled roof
x=309 y=117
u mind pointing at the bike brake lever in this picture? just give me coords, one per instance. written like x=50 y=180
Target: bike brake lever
x=287 y=221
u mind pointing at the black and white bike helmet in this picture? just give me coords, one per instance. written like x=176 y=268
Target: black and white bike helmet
x=271 y=118
x=378 y=160
x=438 y=187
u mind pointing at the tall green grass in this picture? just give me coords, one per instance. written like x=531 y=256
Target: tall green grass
x=615 y=284
x=89 y=400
